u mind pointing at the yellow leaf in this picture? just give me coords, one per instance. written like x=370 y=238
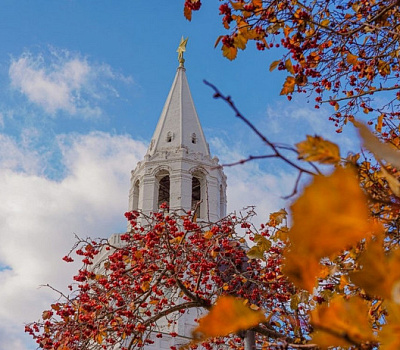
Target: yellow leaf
x=55 y=307
x=240 y=41
x=378 y=126
x=282 y=234
x=389 y=336
x=331 y=215
x=208 y=234
x=351 y=59
x=47 y=314
x=237 y=5
x=380 y=274
x=274 y=65
x=257 y=4
x=145 y=286
x=383 y=68
x=287 y=30
x=325 y=22
x=257 y=251
x=382 y=151
x=254 y=307
x=341 y=323
x=250 y=34
x=288 y=86
x=229 y=52
x=289 y=66
x=301 y=269
x=336 y=106
x=228 y=315
x=393 y=183
x=262 y=242
x=276 y=218
x=373 y=273
x=316 y=149
x=218 y=40
x=98 y=338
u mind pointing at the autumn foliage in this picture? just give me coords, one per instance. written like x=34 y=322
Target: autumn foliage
x=163 y=266
x=340 y=52
x=330 y=279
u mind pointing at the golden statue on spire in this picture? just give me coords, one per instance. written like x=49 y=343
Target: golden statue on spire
x=181 y=50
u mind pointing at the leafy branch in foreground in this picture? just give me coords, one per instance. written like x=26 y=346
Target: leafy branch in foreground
x=338 y=52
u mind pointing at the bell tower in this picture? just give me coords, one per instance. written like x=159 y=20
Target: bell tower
x=178 y=169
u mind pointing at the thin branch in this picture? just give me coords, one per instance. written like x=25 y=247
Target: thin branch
x=270 y=144
x=370 y=92
x=248 y=159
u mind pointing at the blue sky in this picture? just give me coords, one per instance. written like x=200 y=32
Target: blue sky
x=82 y=84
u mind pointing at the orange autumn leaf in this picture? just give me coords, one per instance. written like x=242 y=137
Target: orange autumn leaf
x=229 y=52
x=238 y=5
x=47 y=314
x=392 y=181
x=240 y=41
x=273 y=65
x=145 y=286
x=325 y=22
x=351 y=59
x=289 y=66
x=389 y=336
x=380 y=274
x=331 y=215
x=383 y=68
x=258 y=4
x=277 y=218
x=302 y=270
x=316 y=149
x=288 y=86
x=379 y=123
x=208 y=234
x=99 y=338
x=342 y=322
x=228 y=315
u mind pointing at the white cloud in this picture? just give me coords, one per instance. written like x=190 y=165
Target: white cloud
x=254 y=183
x=63 y=82
x=291 y=122
x=38 y=217
x=17 y=157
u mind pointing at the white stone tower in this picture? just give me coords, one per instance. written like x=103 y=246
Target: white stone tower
x=178 y=168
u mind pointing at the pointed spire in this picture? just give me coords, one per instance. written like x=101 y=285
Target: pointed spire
x=179 y=126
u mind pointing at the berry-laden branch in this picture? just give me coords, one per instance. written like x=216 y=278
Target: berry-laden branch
x=165 y=265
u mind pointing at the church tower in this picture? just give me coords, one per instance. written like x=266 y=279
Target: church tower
x=178 y=169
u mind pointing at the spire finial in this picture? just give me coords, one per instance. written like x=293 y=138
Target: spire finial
x=181 y=50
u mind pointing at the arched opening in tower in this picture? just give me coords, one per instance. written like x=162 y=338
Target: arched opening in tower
x=196 y=196
x=222 y=202
x=163 y=190
x=135 y=199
